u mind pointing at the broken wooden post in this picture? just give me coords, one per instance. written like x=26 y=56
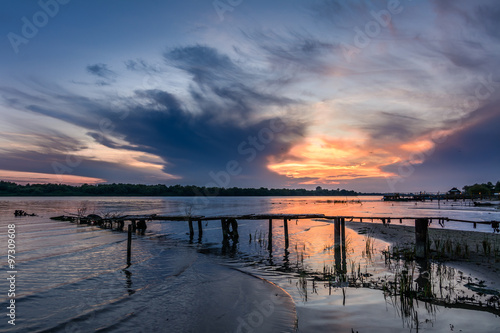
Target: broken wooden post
x=270 y=236
x=191 y=230
x=129 y=245
x=421 y=238
x=285 y=225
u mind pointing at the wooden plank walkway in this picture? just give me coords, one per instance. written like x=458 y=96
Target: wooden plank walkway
x=229 y=227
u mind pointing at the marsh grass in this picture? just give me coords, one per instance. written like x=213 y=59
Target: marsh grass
x=443 y=248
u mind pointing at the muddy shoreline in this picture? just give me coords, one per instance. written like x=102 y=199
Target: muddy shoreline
x=475 y=262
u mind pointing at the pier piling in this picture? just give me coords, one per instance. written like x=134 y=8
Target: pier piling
x=129 y=245
x=421 y=238
x=200 y=230
x=285 y=225
x=270 y=236
x=225 y=231
x=344 y=254
x=234 y=229
x=336 y=252
x=191 y=230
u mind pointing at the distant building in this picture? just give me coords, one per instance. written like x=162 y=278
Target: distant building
x=454 y=191
x=319 y=189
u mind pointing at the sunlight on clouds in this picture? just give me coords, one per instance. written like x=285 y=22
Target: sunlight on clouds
x=328 y=161
x=137 y=159
x=45 y=178
x=418 y=146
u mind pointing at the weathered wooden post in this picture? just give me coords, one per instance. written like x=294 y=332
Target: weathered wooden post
x=421 y=238
x=225 y=234
x=234 y=229
x=129 y=245
x=200 y=229
x=337 y=231
x=344 y=254
x=336 y=252
x=191 y=230
x=134 y=226
x=270 y=236
x=285 y=225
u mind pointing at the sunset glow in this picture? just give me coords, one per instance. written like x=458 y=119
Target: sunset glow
x=190 y=88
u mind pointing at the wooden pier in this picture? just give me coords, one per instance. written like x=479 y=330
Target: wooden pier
x=229 y=226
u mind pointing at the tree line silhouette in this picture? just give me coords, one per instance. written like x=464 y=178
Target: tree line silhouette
x=13 y=189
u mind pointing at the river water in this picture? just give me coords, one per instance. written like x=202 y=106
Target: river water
x=73 y=278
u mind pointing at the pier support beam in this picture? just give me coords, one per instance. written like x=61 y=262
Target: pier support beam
x=234 y=229
x=129 y=245
x=285 y=226
x=336 y=238
x=270 y=236
x=344 y=254
x=191 y=230
x=200 y=231
x=225 y=230
x=421 y=238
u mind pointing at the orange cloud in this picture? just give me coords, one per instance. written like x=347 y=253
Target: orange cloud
x=45 y=178
x=328 y=161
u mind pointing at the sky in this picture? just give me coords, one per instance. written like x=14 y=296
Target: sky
x=374 y=96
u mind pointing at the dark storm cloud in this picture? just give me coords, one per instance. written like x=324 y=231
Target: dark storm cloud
x=196 y=143
x=229 y=120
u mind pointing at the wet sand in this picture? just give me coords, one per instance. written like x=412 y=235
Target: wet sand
x=475 y=264
x=204 y=296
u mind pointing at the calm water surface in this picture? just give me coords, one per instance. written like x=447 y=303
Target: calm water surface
x=72 y=278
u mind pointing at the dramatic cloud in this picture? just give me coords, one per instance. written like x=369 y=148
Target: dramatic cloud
x=370 y=95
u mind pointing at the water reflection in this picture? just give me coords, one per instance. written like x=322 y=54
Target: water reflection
x=309 y=262
x=128 y=282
